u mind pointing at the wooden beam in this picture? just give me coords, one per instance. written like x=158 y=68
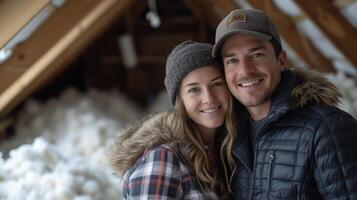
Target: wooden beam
x=56 y=44
x=342 y=3
x=15 y=14
x=214 y=11
x=296 y=40
x=197 y=11
x=132 y=14
x=331 y=22
x=224 y=6
x=27 y=53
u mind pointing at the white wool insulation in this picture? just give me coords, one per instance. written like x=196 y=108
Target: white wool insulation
x=41 y=171
x=59 y=151
x=60 y=147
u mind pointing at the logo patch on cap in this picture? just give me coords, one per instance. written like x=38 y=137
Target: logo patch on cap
x=237 y=16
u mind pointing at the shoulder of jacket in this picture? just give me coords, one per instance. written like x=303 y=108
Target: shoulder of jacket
x=162 y=149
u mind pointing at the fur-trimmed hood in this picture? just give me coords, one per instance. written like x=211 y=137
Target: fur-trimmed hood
x=315 y=88
x=132 y=143
x=161 y=128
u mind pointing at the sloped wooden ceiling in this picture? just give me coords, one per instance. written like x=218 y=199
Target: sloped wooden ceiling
x=48 y=52
x=78 y=23
x=15 y=15
x=331 y=22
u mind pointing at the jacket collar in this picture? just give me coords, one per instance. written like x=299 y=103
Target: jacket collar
x=137 y=138
x=315 y=89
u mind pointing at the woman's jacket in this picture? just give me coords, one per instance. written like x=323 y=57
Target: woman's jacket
x=148 y=155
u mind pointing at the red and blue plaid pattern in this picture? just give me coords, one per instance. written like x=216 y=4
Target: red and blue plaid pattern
x=161 y=173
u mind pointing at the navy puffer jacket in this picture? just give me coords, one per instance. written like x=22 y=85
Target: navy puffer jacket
x=307 y=149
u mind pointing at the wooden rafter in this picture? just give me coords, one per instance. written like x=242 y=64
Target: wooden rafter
x=342 y=3
x=15 y=14
x=331 y=22
x=213 y=11
x=132 y=14
x=225 y=6
x=198 y=13
x=54 y=45
x=300 y=44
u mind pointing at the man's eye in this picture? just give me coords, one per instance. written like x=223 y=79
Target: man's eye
x=231 y=61
x=257 y=55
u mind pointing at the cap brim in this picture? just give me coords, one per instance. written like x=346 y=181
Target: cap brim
x=218 y=45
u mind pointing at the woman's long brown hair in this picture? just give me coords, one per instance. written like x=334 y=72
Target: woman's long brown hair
x=204 y=168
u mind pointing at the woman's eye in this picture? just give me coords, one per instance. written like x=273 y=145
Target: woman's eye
x=193 y=90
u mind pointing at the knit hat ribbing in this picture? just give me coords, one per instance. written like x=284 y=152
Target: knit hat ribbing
x=183 y=59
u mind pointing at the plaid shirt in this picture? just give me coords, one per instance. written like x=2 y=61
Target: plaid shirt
x=161 y=173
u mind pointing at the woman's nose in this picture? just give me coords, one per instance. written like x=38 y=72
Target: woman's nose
x=208 y=96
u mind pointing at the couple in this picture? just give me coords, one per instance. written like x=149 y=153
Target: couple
x=279 y=137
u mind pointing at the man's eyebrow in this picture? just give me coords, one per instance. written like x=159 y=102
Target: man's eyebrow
x=228 y=55
x=261 y=46
x=257 y=48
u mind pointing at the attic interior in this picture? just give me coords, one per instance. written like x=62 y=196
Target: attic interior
x=126 y=48
x=140 y=75
x=121 y=46
x=101 y=64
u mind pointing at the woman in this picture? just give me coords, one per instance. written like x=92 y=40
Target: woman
x=184 y=153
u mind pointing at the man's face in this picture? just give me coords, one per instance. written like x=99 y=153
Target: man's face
x=252 y=72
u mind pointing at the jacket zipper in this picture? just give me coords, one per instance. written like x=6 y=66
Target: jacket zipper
x=258 y=136
x=253 y=174
x=272 y=158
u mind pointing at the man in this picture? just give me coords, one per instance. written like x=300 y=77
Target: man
x=294 y=143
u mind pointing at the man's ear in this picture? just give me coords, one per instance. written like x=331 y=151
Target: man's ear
x=282 y=60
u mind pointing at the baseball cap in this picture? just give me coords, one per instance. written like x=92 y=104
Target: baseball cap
x=253 y=22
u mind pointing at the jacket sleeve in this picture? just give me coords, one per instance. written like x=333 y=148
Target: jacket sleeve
x=335 y=156
x=156 y=176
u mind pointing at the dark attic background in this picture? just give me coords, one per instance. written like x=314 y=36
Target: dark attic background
x=130 y=56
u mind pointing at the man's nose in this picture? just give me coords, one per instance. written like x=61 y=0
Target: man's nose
x=247 y=66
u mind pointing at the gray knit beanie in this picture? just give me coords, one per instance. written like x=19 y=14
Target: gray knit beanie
x=183 y=59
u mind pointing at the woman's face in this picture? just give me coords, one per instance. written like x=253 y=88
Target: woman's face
x=205 y=96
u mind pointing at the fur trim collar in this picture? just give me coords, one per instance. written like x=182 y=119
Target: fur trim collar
x=315 y=88
x=136 y=139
